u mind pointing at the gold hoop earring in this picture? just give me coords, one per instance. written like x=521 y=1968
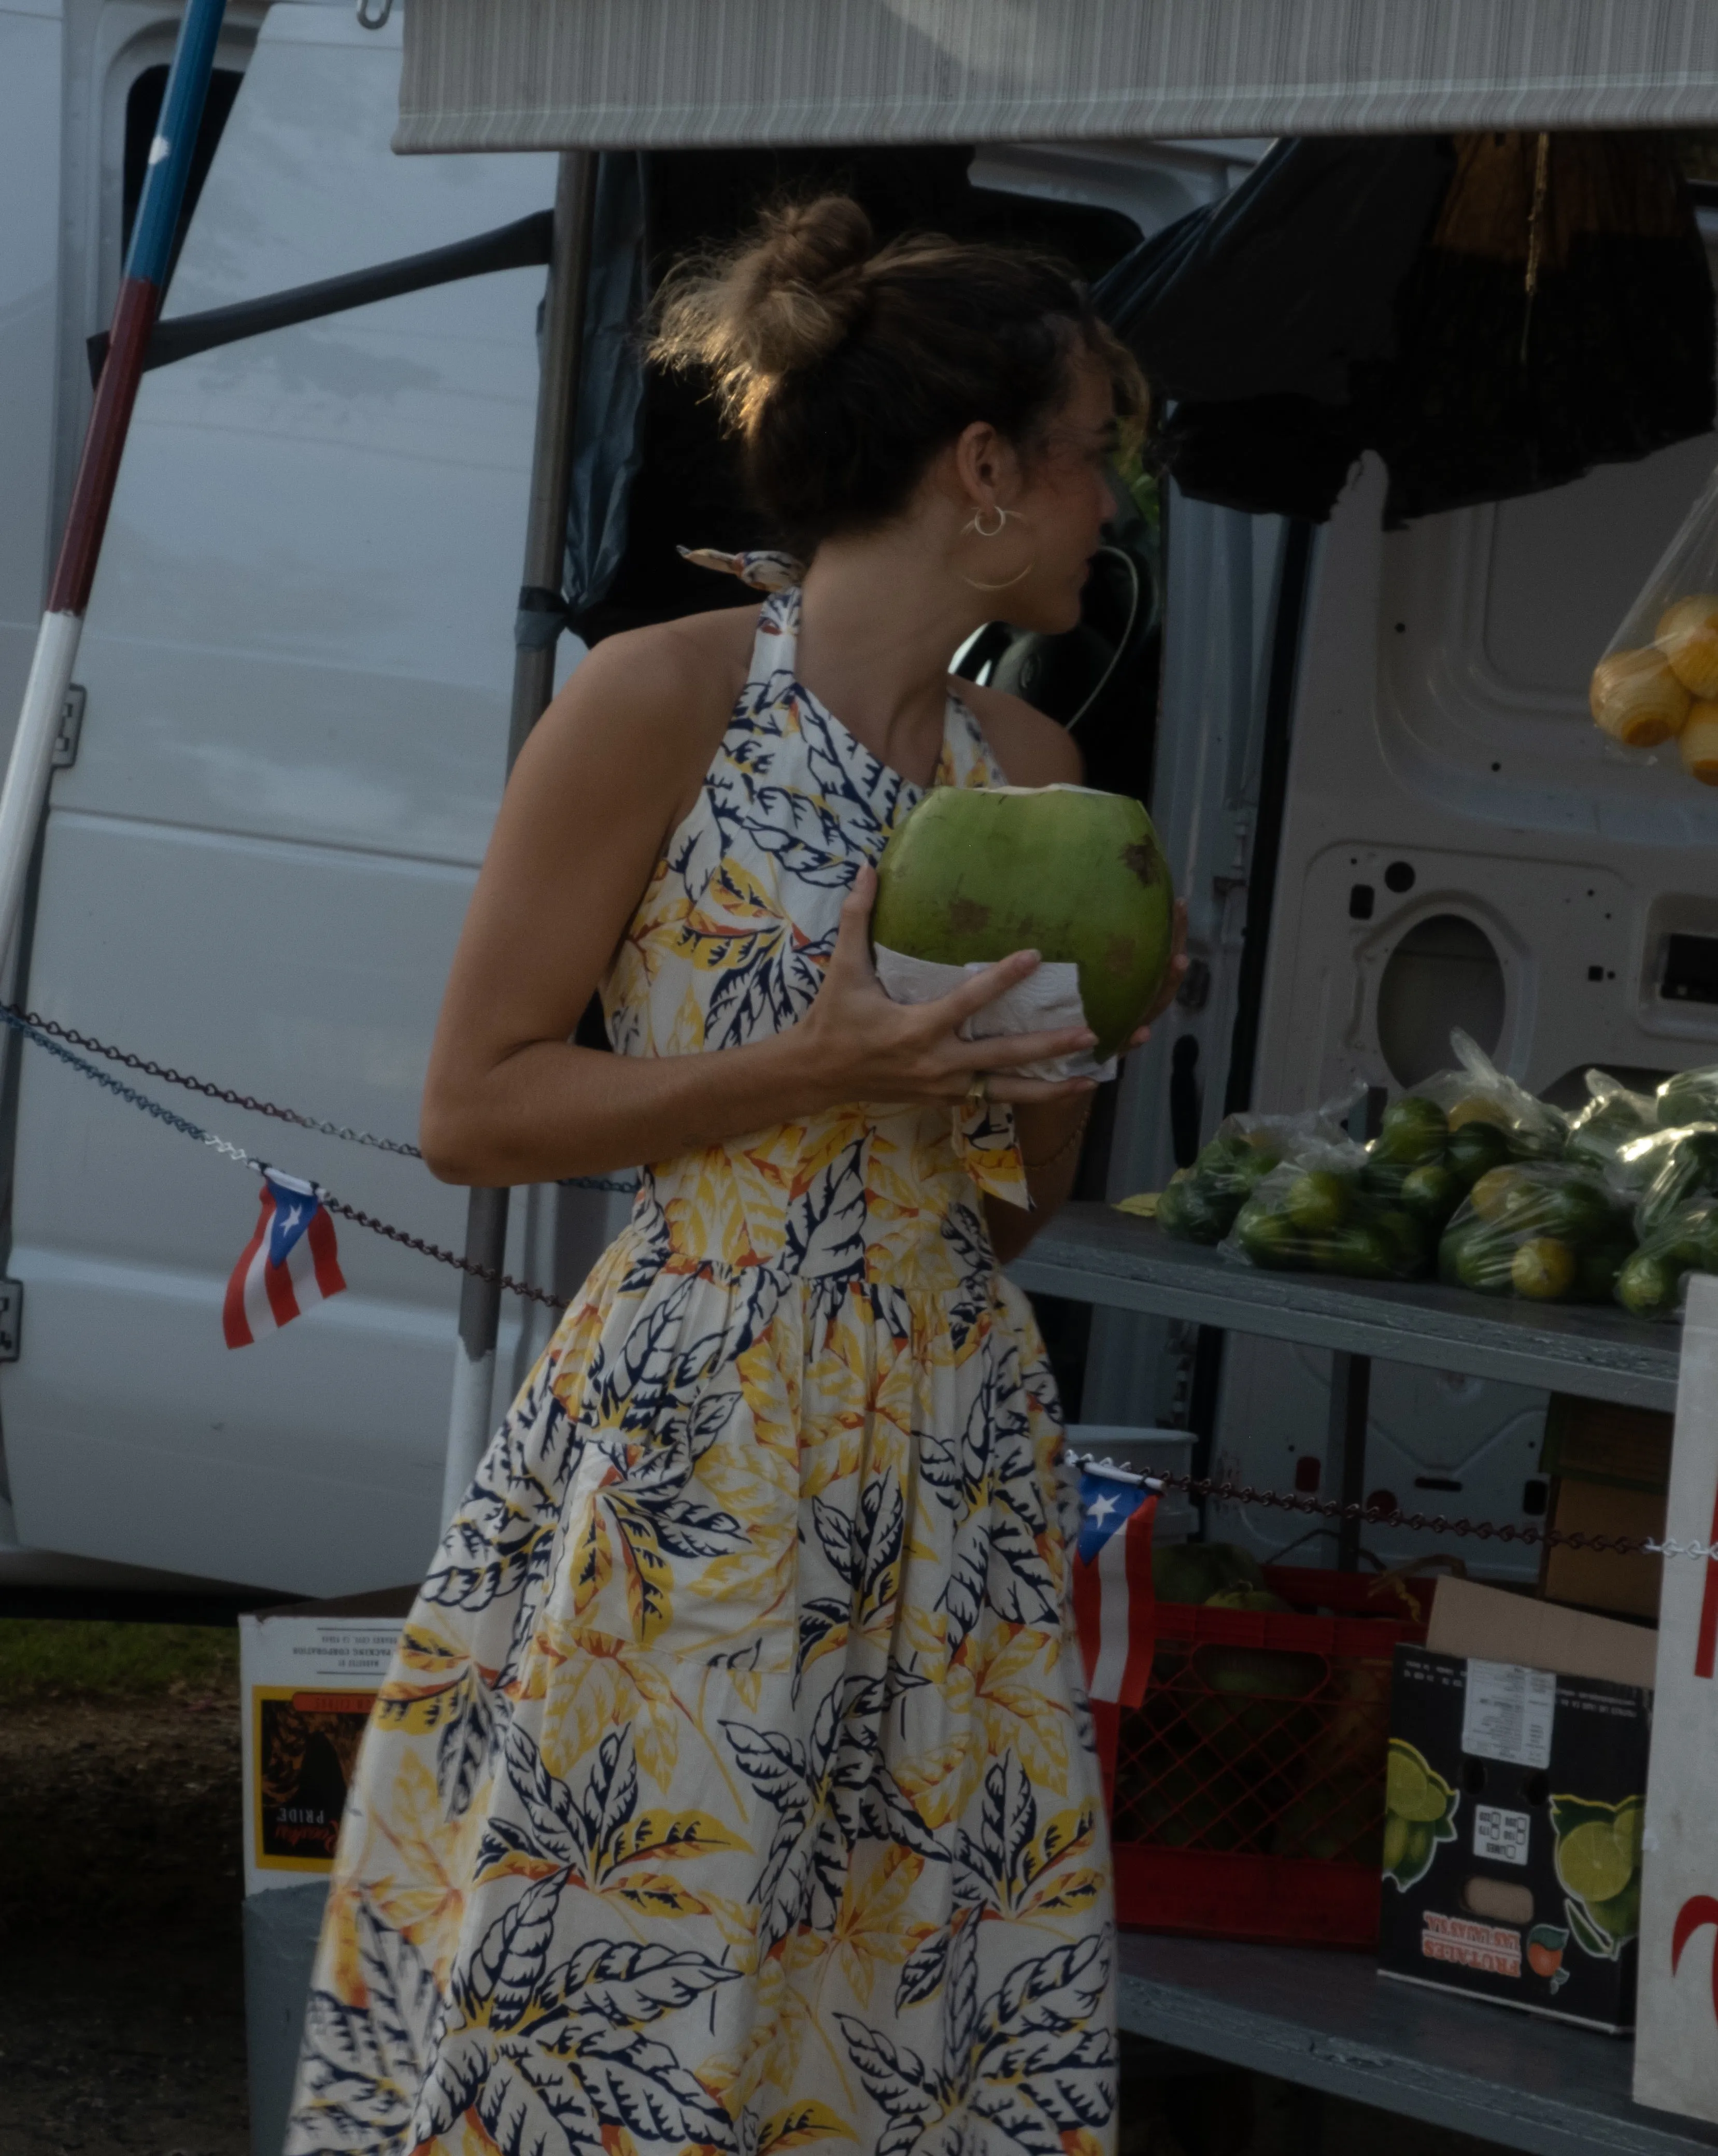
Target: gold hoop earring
x=1006 y=584
x=976 y=522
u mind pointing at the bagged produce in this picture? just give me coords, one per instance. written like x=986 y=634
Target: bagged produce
x=1614 y=1117
x=1200 y=1203
x=1314 y=1213
x=1658 y=679
x=1501 y=1119
x=1688 y=1096
x=1435 y=1142
x=1545 y=1230
x=1653 y=1279
x=1667 y=1172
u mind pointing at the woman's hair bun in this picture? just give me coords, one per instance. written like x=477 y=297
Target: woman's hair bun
x=784 y=300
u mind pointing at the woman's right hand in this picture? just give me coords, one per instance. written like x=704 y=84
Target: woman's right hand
x=857 y=1044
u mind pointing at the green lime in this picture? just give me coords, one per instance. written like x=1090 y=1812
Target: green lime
x=1593 y=1864
x=1474 y=1149
x=1412 y=1789
x=1408 y=1240
x=1649 y=1287
x=1484 y=1261
x=1597 y=1269
x=1260 y=1598
x=1500 y=1191
x=1268 y=1239
x=1543 y=1269
x=1630 y=1828
x=1358 y=1251
x=1574 y=1212
x=1454 y=1241
x=1318 y=1200
x=1412 y=1130
x=1188 y=1213
x=1431 y=1192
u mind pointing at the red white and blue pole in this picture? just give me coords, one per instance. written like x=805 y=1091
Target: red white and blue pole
x=134 y=313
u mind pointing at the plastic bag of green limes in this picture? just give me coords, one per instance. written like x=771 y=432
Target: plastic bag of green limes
x=1435 y=1142
x=1316 y=1213
x=1654 y=1278
x=1614 y=1120
x=1543 y=1230
x=1688 y=1096
x=1199 y=1204
x=1667 y=1172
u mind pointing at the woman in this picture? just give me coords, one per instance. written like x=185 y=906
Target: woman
x=732 y=1787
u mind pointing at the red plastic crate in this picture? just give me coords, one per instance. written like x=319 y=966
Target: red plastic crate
x=1247 y=1797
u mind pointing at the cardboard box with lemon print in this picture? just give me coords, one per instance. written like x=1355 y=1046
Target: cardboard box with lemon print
x=1514 y=1804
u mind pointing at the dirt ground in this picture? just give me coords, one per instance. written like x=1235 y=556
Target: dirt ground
x=122 y=1968
x=122 y=1982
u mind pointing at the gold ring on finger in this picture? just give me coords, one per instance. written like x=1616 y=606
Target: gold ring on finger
x=979 y=1092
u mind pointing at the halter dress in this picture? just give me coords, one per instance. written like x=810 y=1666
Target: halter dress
x=732 y=1787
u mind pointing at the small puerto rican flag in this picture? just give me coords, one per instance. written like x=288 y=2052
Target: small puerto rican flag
x=1115 y=1609
x=288 y=1263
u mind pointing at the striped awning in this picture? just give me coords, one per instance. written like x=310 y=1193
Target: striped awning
x=536 y=74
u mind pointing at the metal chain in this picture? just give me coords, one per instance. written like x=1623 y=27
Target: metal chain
x=443 y=1257
x=32 y=1031
x=32 y=1022
x=1436 y=1523
x=46 y=1035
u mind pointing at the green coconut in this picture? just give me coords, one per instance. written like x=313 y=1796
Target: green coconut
x=974 y=873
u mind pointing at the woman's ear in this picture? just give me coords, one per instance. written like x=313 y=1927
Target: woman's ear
x=986 y=471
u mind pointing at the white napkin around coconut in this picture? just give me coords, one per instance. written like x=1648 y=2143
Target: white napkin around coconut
x=1045 y=1001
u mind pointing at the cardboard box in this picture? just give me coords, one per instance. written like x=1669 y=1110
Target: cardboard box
x=1601 y=1579
x=308 y=1673
x=1489 y=1622
x=1512 y=1842
x=1609 y=1468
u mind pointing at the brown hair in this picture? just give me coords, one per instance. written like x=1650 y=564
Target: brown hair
x=843 y=368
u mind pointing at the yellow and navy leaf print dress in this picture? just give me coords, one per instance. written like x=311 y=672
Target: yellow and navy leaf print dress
x=732 y=1787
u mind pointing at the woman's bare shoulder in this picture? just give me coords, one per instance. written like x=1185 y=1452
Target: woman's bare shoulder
x=662 y=694
x=1033 y=750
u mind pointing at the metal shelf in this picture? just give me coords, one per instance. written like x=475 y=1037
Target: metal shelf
x=1328 y=2021
x=1093 y=1253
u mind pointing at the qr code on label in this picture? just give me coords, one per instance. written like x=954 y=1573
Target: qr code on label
x=1499 y=1834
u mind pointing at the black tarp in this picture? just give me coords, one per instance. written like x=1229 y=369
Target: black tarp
x=1492 y=315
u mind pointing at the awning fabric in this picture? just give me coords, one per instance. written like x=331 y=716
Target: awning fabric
x=536 y=74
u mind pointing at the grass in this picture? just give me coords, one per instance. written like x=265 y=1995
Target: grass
x=59 y=1658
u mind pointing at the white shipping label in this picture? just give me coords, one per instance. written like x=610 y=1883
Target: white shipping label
x=1509 y=1714
x=1501 y=1835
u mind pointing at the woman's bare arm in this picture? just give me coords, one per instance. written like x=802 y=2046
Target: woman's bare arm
x=613 y=766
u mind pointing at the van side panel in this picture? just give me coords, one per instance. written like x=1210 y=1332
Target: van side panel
x=299 y=658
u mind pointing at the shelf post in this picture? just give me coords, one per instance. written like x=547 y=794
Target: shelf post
x=1345 y=1446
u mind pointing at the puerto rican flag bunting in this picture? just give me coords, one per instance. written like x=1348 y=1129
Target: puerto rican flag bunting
x=288 y=1265
x=1114 y=1607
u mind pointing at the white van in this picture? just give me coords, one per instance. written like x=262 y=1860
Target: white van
x=296 y=669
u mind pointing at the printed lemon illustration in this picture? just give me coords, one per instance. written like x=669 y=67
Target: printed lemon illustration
x=1597 y=1858
x=1419 y=1812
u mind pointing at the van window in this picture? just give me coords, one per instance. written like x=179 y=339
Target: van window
x=143 y=110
